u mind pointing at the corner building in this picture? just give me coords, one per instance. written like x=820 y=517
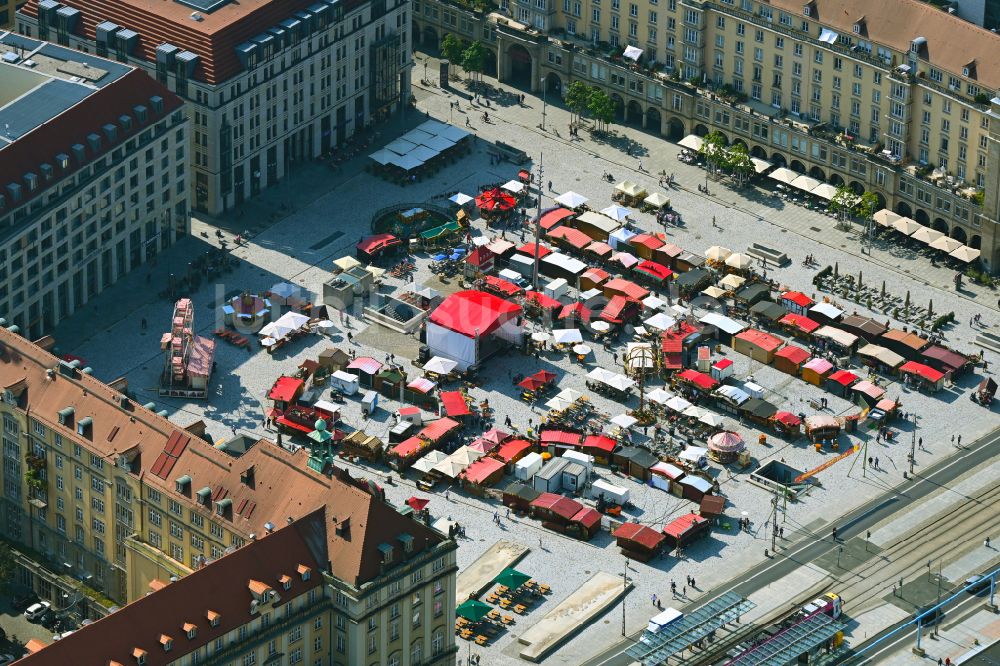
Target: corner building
x=268 y=82
x=898 y=97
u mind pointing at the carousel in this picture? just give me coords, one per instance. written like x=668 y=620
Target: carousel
x=248 y=312
x=725 y=447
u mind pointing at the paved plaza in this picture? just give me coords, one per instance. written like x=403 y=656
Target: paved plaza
x=319 y=214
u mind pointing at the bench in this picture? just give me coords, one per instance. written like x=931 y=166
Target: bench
x=768 y=254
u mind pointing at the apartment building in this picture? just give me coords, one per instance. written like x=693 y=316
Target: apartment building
x=891 y=97
x=123 y=500
x=93 y=177
x=268 y=82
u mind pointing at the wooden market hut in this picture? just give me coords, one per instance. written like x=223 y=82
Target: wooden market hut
x=797 y=302
x=925 y=376
x=695 y=487
x=644 y=244
x=767 y=312
x=519 y=497
x=601 y=447
x=482 y=474
x=685 y=530
x=333 y=359
x=863 y=327
x=362 y=445
x=758 y=345
x=638 y=542
x=789 y=359
x=712 y=507
x=592 y=278
x=907 y=344
x=879 y=357
x=752 y=293
x=840 y=381
x=816 y=371
x=945 y=360
x=634 y=461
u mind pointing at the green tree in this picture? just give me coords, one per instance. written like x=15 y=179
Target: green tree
x=739 y=164
x=452 y=48
x=601 y=108
x=713 y=149
x=843 y=202
x=474 y=59
x=8 y=565
x=867 y=206
x=578 y=98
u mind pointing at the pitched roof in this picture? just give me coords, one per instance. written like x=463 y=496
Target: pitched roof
x=952 y=43
x=282 y=486
x=220 y=589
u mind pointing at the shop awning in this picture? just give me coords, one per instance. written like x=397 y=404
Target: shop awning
x=560 y=437
x=925 y=372
x=438 y=429
x=699 y=379
x=691 y=142
x=804 y=324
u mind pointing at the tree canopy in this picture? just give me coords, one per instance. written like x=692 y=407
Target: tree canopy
x=578 y=98
x=601 y=108
x=452 y=48
x=474 y=58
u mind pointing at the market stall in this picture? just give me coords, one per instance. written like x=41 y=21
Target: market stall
x=922 y=375
x=816 y=371
x=758 y=345
x=789 y=359
x=470 y=326
x=822 y=428
x=638 y=542
x=724 y=447
x=685 y=530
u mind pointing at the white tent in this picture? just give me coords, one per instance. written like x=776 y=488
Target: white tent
x=514 y=186
x=825 y=191
x=759 y=165
x=616 y=212
x=659 y=396
x=569 y=394
x=739 y=261
x=653 y=303
x=660 y=321
x=417 y=136
x=438 y=143
x=423 y=153
x=711 y=420
x=407 y=162
x=926 y=235
x=691 y=142
x=440 y=365
x=284 y=290
x=678 y=404
x=624 y=421
x=632 y=53
x=885 y=217
x=693 y=412
x=453 y=133
x=805 y=183
x=946 y=244
x=783 y=175
x=426 y=463
x=621 y=235
x=722 y=322
x=563 y=336
x=571 y=199
x=717 y=253
x=558 y=404
x=401 y=146
x=966 y=254
x=432 y=126
x=658 y=199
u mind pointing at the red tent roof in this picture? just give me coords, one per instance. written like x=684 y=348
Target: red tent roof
x=671 y=345
x=645 y=536
x=545 y=376
x=923 y=371
x=843 y=377
x=792 y=353
x=626 y=287
x=647 y=240
x=600 y=442
x=454 y=403
x=505 y=287
x=365 y=364
x=541 y=300
x=682 y=525
x=553 y=217
x=481 y=470
x=699 y=379
x=531 y=384
x=575 y=310
x=512 y=449
x=417 y=503
x=765 y=341
x=480 y=256
x=595 y=275
x=560 y=437
x=496 y=435
x=599 y=248
x=587 y=517
x=285 y=389
x=408 y=447
x=574 y=237
x=798 y=298
x=789 y=419
x=804 y=324
x=563 y=507
x=530 y=249
x=612 y=312
x=377 y=243
x=435 y=430
x=467 y=312
x=496 y=199
x=659 y=271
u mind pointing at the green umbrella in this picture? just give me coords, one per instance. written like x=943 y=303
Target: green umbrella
x=512 y=578
x=473 y=610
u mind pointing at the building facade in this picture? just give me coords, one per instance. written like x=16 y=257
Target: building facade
x=93 y=177
x=892 y=98
x=8 y=10
x=118 y=498
x=267 y=83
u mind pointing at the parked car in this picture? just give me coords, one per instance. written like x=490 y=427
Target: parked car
x=23 y=599
x=35 y=611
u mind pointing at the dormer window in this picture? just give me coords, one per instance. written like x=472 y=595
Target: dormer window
x=83 y=427
x=140 y=656
x=386 y=551
x=407 y=541
x=213 y=618
x=66 y=416
x=807 y=10
x=304 y=572
x=190 y=629
x=182 y=483
x=286 y=582
x=167 y=642
x=222 y=506
x=857 y=29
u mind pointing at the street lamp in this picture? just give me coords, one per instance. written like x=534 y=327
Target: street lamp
x=542 y=126
x=624 y=592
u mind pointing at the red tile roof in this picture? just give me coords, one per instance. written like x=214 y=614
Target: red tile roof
x=648 y=241
x=510 y=450
x=573 y=237
x=588 y=517
x=553 y=217
x=481 y=470
x=843 y=377
x=680 y=526
x=435 y=430
x=600 y=442
x=626 y=288
x=560 y=437
x=561 y=506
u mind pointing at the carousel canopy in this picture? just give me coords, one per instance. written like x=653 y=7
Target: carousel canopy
x=726 y=442
x=496 y=199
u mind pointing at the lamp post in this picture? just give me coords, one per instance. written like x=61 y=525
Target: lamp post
x=913 y=443
x=624 y=592
x=538 y=223
x=542 y=126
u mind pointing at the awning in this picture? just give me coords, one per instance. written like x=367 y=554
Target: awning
x=691 y=142
x=551 y=218
x=783 y=175
x=925 y=372
x=885 y=217
x=454 y=403
x=965 y=254
x=421 y=385
x=759 y=165
x=805 y=183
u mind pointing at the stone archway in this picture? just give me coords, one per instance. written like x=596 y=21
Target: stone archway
x=490 y=64
x=758 y=152
x=881 y=200
x=725 y=139
x=700 y=130
x=958 y=233
x=797 y=166
x=903 y=208
x=675 y=129
x=553 y=84
x=741 y=142
x=922 y=217
x=857 y=187
x=619 y=105
x=633 y=113
x=836 y=180
x=940 y=225
x=778 y=160
x=976 y=242
x=519 y=66
x=818 y=174
x=429 y=42
x=654 y=122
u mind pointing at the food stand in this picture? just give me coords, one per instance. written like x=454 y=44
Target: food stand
x=822 y=428
x=816 y=371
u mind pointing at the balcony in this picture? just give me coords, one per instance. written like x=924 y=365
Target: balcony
x=942 y=180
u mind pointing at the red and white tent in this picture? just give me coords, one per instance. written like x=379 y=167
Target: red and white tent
x=470 y=325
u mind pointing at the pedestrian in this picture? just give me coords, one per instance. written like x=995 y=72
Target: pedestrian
x=920 y=442
x=953 y=440
x=234 y=430
x=693 y=583
x=142 y=323
x=654 y=599
x=987 y=542
x=508 y=513
x=350 y=337
x=539 y=542
x=446 y=496
x=876 y=462
x=684 y=591
x=640 y=166
x=871 y=461
x=550 y=186
x=781 y=532
x=959 y=441
x=834 y=533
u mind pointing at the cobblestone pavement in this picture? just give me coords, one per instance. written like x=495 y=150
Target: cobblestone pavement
x=302 y=240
